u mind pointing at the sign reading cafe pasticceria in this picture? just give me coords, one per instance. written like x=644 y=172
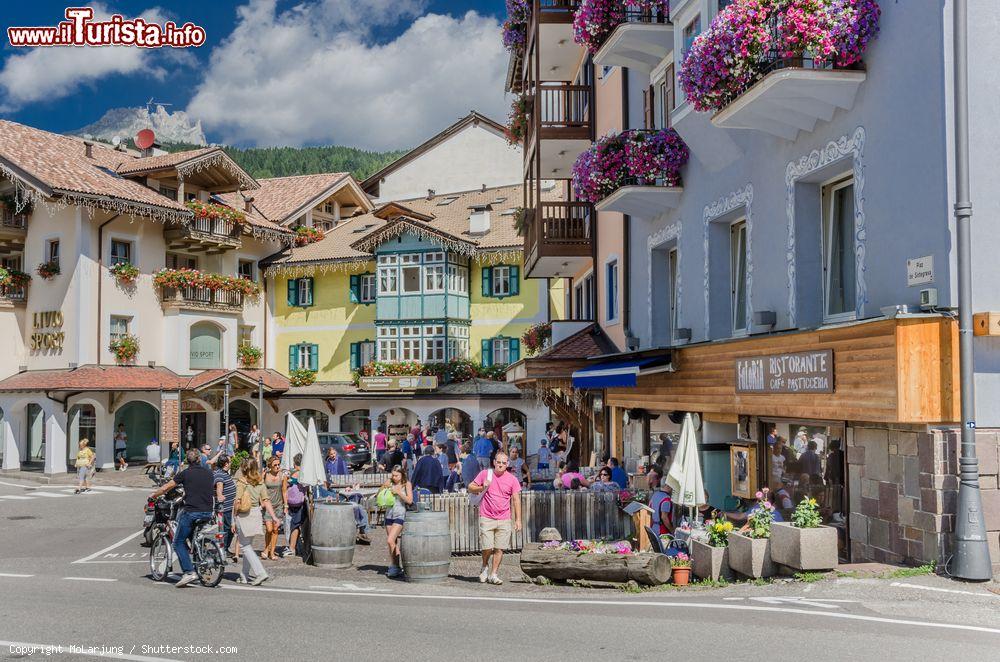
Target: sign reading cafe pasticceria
x=48 y=333
x=800 y=372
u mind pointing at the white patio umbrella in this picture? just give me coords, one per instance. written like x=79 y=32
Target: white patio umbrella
x=312 y=471
x=684 y=477
x=295 y=442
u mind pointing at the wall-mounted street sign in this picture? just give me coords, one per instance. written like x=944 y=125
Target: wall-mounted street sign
x=920 y=271
x=799 y=372
x=398 y=383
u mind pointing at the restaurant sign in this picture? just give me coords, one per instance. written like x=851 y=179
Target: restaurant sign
x=398 y=383
x=799 y=372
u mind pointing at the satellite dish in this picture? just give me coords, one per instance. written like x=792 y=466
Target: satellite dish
x=145 y=139
x=116 y=141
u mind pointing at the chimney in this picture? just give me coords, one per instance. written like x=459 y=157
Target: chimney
x=248 y=204
x=430 y=193
x=479 y=219
x=484 y=188
x=88 y=146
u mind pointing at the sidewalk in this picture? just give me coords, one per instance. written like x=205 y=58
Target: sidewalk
x=135 y=476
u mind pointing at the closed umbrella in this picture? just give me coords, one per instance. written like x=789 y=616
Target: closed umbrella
x=684 y=477
x=295 y=442
x=312 y=471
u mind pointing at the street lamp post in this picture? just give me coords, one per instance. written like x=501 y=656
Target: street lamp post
x=225 y=411
x=260 y=421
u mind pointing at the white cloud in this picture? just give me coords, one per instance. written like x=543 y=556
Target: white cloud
x=46 y=74
x=315 y=74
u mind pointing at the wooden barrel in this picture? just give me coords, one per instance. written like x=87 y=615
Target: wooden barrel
x=426 y=546
x=334 y=533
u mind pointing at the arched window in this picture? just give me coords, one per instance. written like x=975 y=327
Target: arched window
x=206 y=346
x=82 y=425
x=355 y=421
x=458 y=419
x=322 y=420
x=142 y=424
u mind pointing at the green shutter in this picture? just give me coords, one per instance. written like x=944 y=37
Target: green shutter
x=515 y=350
x=355 y=288
x=355 y=355
x=314 y=357
x=487 y=351
x=312 y=292
x=515 y=281
x=487 y=281
x=291 y=356
x=293 y=292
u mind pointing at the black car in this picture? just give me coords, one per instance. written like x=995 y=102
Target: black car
x=351 y=447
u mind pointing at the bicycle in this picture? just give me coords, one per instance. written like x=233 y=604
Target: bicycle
x=206 y=549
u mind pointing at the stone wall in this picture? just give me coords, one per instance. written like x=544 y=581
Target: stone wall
x=170 y=420
x=988 y=452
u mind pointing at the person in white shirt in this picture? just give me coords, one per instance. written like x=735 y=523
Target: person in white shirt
x=153 y=452
x=121 y=445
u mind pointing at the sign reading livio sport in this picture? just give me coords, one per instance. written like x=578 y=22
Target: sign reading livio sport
x=47 y=330
x=799 y=372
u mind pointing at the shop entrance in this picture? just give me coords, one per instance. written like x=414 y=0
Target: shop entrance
x=36 y=435
x=193 y=429
x=242 y=414
x=806 y=458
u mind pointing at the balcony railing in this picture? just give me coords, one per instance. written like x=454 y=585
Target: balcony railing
x=558 y=230
x=218 y=227
x=204 y=234
x=637 y=37
x=202 y=297
x=13 y=294
x=11 y=221
x=562 y=109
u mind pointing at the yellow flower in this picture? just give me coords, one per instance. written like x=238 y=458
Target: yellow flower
x=812 y=502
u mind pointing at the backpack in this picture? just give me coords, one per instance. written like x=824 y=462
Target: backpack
x=475 y=499
x=295 y=495
x=385 y=499
x=245 y=501
x=554 y=444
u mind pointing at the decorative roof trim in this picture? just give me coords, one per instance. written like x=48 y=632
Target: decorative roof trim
x=345 y=179
x=401 y=224
x=118 y=206
x=321 y=267
x=212 y=159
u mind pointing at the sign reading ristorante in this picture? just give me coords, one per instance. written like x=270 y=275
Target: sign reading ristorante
x=398 y=383
x=799 y=372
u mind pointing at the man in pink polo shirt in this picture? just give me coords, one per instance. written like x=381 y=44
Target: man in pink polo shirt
x=499 y=488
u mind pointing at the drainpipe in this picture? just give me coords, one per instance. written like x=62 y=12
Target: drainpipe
x=971 y=552
x=100 y=279
x=626 y=235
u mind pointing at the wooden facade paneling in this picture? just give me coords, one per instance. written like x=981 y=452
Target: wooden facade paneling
x=903 y=370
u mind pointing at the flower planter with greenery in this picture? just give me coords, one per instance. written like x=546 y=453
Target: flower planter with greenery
x=517 y=120
x=710 y=558
x=213 y=211
x=302 y=377
x=249 y=356
x=750 y=554
x=595 y=20
x=515 y=27
x=644 y=157
x=125 y=347
x=804 y=544
x=13 y=278
x=178 y=279
x=744 y=40
x=125 y=273
x=447 y=372
x=536 y=338
x=306 y=235
x=680 y=569
x=48 y=270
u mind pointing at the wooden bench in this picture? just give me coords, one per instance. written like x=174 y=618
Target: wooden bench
x=155 y=468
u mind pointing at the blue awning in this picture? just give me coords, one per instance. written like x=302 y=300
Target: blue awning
x=613 y=374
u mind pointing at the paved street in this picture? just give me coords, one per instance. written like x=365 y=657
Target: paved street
x=72 y=572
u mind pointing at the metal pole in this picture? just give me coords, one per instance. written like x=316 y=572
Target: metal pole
x=260 y=421
x=971 y=552
x=225 y=412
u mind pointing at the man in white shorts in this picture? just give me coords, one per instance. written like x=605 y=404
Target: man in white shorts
x=499 y=488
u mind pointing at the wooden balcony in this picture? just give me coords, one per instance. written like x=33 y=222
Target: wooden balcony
x=557 y=239
x=11 y=296
x=201 y=298
x=204 y=235
x=13 y=230
x=640 y=41
x=550 y=41
x=560 y=127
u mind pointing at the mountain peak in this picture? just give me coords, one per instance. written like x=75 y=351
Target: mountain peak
x=126 y=122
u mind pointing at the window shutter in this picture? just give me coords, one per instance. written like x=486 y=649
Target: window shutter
x=291 y=355
x=515 y=281
x=293 y=292
x=487 y=281
x=355 y=355
x=487 y=351
x=311 y=290
x=650 y=118
x=355 y=288
x=515 y=350
x=314 y=357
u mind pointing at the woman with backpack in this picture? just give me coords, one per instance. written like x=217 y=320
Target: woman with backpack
x=396 y=494
x=295 y=499
x=276 y=484
x=251 y=498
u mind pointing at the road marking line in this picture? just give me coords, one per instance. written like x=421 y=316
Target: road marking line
x=13 y=574
x=90 y=579
x=352 y=587
x=49 y=494
x=18 y=496
x=109 y=548
x=66 y=650
x=942 y=590
x=620 y=603
x=28 y=487
x=110 y=488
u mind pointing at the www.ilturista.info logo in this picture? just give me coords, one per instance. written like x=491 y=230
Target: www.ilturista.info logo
x=79 y=29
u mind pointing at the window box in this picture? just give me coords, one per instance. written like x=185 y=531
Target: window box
x=306 y=235
x=125 y=347
x=804 y=549
x=248 y=355
x=124 y=272
x=48 y=270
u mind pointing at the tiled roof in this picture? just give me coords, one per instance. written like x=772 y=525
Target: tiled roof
x=450 y=218
x=589 y=341
x=56 y=165
x=273 y=380
x=129 y=378
x=254 y=217
x=279 y=198
x=163 y=161
x=189 y=161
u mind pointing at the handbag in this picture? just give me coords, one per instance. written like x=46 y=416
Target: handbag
x=385 y=499
x=250 y=524
x=475 y=499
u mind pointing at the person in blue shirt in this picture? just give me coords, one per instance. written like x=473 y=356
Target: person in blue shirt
x=482 y=448
x=470 y=464
x=335 y=466
x=618 y=474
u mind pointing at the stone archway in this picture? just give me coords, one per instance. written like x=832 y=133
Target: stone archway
x=142 y=423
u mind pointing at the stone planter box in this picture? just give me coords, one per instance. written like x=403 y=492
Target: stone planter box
x=751 y=557
x=709 y=562
x=804 y=549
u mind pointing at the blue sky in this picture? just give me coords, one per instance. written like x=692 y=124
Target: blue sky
x=369 y=73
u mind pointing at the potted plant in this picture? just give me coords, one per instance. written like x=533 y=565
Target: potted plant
x=680 y=569
x=804 y=544
x=517 y=120
x=302 y=377
x=248 y=355
x=125 y=272
x=710 y=558
x=537 y=338
x=305 y=235
x=750 y=553
x=125 y=347
x=48 y=270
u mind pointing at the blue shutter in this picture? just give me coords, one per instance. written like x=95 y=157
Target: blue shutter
x=515 y=350
x=355 y=288
x=293 y=292
x=487 y=281
x=312 y=292
x=487 y=350
x=515 y=281
x=355 y=355
x=314 y=357
x=291 y=356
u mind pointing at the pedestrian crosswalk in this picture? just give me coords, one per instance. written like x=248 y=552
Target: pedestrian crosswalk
x=51 y=492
